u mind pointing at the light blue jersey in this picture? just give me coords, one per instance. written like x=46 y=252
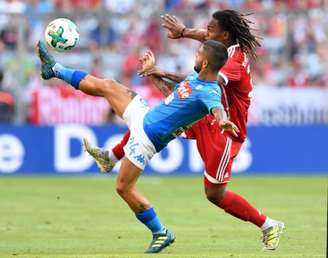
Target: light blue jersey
x=191 y=100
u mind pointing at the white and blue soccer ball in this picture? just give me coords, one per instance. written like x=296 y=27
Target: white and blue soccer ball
x=62 y=34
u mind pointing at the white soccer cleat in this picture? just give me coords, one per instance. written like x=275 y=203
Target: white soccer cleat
x=101 y=157
x=271 y=236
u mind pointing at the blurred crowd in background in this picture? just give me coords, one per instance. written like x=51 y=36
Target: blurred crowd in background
x=114 y=33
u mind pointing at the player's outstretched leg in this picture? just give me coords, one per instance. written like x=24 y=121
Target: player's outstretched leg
x=239 y=207
x=102 y=157
x=80 y=80
x=118 y=95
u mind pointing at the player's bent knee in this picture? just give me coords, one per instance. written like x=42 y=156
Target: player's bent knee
x=215 y=195
x=122 y=189
x=212 y=198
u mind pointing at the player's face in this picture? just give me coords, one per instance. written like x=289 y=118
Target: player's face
x=215 y=32
x=200 y=60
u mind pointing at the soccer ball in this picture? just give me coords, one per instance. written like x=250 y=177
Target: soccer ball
x=61 y=34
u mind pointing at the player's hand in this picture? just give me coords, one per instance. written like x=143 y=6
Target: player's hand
x=174 y=26
x=229 y=126
x=147 y=62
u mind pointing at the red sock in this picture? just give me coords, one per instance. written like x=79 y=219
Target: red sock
x=118 y=149
x=238 y=207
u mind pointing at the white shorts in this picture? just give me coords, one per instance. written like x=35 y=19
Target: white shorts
x=139 y=149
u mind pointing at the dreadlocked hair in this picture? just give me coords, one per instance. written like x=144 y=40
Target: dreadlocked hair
x=240 y=31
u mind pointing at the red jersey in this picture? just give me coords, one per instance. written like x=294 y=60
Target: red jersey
x=237 y=93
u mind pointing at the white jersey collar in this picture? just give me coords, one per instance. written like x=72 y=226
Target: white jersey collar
x=233 y=46
x=231 y=49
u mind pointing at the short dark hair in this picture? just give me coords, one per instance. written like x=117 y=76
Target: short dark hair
x=240 y=31
x=216 y=53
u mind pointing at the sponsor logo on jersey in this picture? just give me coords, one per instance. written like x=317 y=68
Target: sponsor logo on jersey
x=184 y=90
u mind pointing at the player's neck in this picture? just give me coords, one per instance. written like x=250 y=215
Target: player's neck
x=207 y=75
x=229 y=43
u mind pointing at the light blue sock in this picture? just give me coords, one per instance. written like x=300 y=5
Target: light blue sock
x=151 y=220
x=71 y=76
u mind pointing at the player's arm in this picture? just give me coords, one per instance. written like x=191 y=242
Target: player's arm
x=176 y=29
x=155 y=71
x=176 y=77
x=197 y=34
x=215 y=107
x=148 y=64
x=225 y=124
x=165 y=87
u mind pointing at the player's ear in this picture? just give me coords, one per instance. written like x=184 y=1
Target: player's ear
x=205 y=63
x=226 y=35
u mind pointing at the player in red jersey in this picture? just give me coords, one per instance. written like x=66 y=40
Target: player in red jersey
x=217 y=148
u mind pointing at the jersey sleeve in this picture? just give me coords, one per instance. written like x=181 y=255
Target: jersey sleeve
x=213 y=100
x=231 y=71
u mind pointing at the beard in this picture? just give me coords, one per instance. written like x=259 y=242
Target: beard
x=197 y=69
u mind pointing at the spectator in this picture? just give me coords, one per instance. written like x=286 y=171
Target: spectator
x=7 y=104
x=40 y=6
x=119 y=6
x=104 y=34
x=299 y=77
x=69 y=5
x=12 y=6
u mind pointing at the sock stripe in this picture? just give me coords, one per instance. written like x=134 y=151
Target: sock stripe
x=224 y=160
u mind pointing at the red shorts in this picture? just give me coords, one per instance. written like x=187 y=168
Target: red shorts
x=219 y=172
x=217 y=149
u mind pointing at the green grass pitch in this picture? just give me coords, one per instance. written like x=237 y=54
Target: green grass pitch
x=73 y=217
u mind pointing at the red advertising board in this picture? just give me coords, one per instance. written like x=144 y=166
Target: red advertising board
x=51 y=106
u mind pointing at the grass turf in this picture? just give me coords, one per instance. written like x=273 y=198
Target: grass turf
x=73 y=217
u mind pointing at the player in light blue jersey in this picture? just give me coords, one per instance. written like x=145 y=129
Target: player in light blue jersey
x=151 y=130
x=188 y=103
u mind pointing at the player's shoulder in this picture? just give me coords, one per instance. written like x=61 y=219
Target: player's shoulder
x=236 y=53
x=209 y=90
x=192 y=76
